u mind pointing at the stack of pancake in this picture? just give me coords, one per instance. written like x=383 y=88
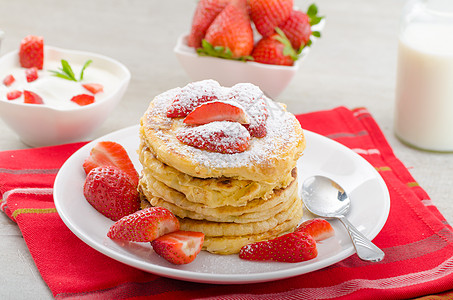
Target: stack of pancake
x=234 y=199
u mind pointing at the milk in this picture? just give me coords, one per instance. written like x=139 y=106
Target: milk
x=424 y=92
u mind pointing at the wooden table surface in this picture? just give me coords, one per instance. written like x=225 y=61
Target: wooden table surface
x=353 y=64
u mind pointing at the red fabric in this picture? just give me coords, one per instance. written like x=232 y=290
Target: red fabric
x=417 y=240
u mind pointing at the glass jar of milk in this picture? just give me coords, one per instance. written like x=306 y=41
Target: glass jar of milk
x=424 y=90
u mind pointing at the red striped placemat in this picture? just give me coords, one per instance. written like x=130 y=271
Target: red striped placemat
x=416 y=238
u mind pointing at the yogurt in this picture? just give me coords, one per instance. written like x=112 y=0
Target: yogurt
x=424 y=91
x=57 y=92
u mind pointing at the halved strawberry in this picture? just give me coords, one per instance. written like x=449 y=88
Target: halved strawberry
x=192 y=95
x=318 y=228
x=14 y=94
x=297 y=29
x=31 y=52
x=268 y=14
x=220 y=136
x=144 y=225
x=109 y=190
x=94 y=87
x=205 y=13
x=9 y=79
x=108 y=153
x=180 y=247
x=291 y=247
x=83 y=99
x=216 y=111
x=31 y=74
x=32 y=98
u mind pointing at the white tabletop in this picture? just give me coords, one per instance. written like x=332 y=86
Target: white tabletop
x=353 y=64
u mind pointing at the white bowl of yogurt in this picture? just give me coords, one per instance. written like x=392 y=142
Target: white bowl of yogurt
x=59 y=120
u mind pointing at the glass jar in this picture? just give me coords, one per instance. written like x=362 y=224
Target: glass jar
x=424 y=89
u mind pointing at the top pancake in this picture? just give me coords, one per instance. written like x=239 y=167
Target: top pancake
x=265 y=159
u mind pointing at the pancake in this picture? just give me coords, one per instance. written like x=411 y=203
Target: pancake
x=213 y=192
x=265 y=160
x=158 y=194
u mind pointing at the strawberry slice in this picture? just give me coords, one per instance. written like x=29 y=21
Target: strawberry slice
x=94 y=87
x=216 y=111
x=83 y=99
x=222 y=137
x=32 y=98
x=291 y=247
x=191 y=96
x=109 y=190
x=318 y=228
x=144 y=225
x=180 y=247
x=31 y=52
x=14 y=94
x=31 y=74
x=108 y=153
x=9 y=79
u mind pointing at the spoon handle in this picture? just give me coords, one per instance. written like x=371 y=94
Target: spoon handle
x=365 y=249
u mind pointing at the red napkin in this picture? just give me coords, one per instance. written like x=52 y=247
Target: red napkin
x=416 y=238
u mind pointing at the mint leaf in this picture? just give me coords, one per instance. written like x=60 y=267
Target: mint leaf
x=65 y=72
x=88 y=62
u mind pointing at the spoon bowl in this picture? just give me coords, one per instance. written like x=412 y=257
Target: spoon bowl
x=326 y=198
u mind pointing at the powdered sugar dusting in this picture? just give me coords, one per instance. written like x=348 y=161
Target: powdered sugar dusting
x=280 y=137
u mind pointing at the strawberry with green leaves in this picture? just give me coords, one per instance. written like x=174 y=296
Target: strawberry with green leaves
x=205 y=13
x=110 y=191
x=292 y=247
x=230 y=35
x=297 y=29
x=275 y=50
x=144 y=225
x=268 y=14
x=179 y=247
x=31 y=52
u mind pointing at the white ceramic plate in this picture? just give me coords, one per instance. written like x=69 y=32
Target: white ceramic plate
x=369 y=211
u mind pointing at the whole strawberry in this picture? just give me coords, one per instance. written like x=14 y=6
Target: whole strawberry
x=31 y=52
x=268 y=14
x=291 y=247
x=275 y=50
x=297 y=29
x=205 y=13
x=110 y=191
x=230 y=35
x=144 y=225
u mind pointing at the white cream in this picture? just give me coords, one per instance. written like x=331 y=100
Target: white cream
x=57 y=92
x=424 y=92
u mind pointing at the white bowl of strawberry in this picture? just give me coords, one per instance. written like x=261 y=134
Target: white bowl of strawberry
x=50 y=96
x=256 y=41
